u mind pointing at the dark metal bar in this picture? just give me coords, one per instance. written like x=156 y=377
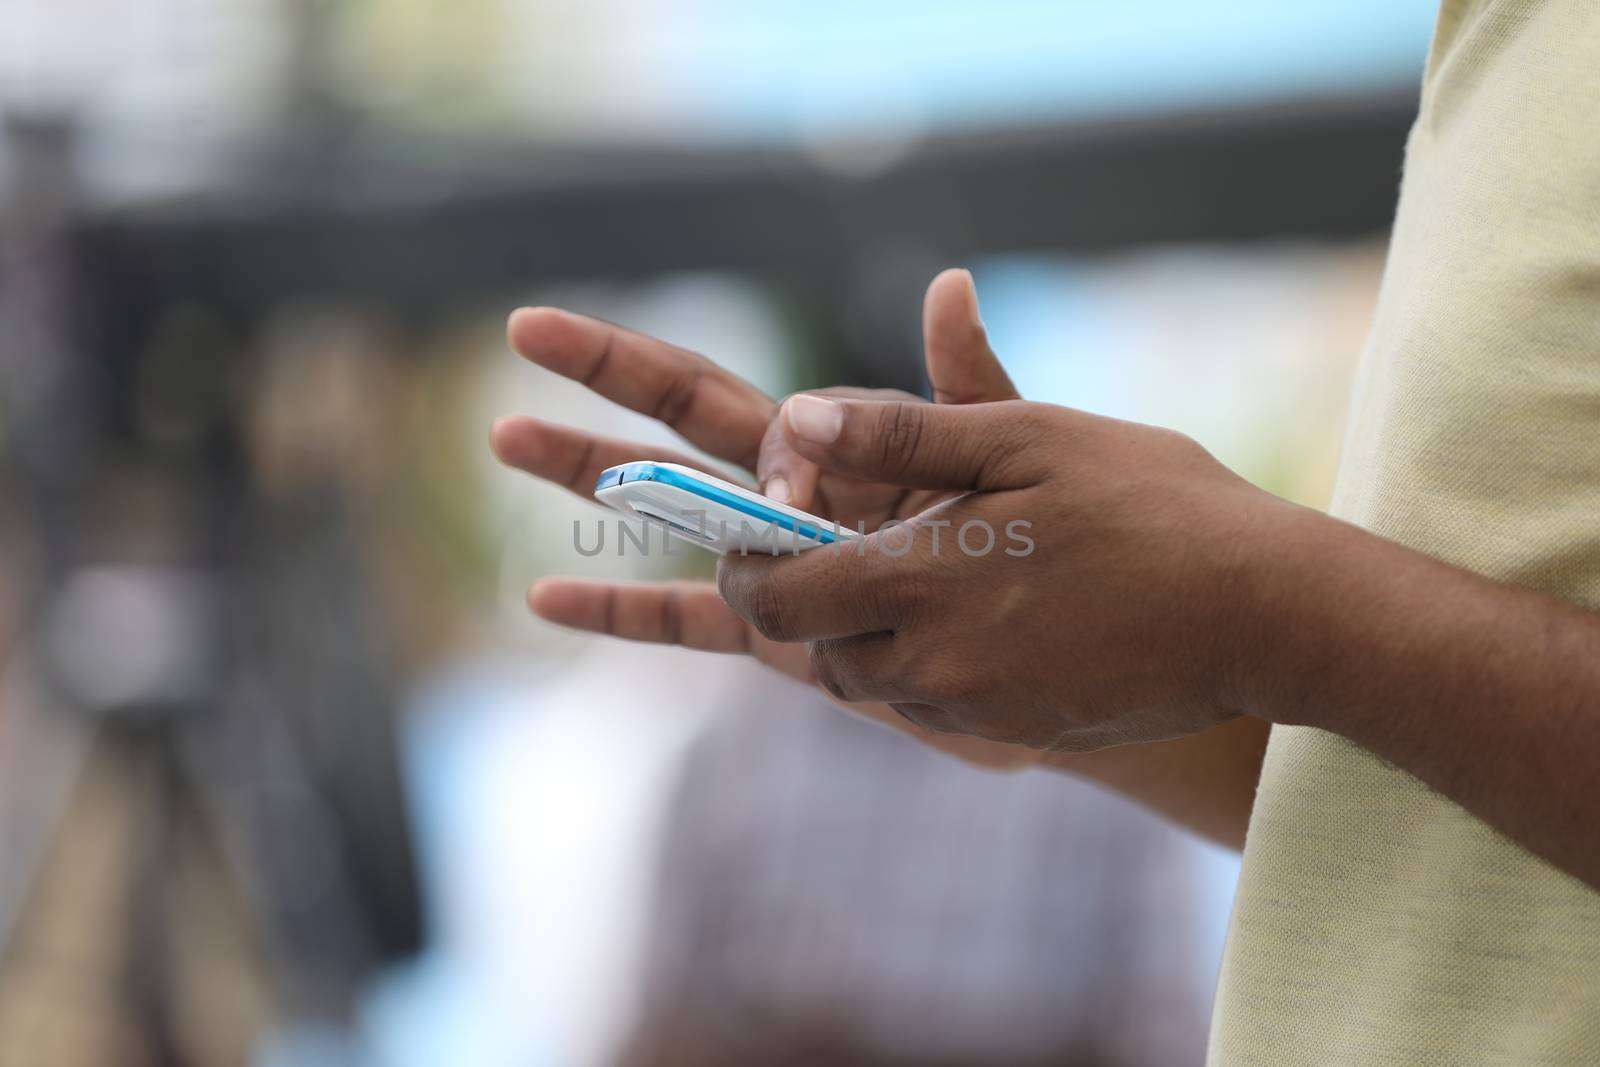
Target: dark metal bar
x=463 y=223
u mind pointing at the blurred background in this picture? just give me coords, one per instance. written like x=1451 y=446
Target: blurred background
x=287 y=774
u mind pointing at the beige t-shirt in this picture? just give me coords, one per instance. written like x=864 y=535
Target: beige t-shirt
x=1377 y=922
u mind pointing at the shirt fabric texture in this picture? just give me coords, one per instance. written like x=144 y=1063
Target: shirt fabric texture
x=1376 y=922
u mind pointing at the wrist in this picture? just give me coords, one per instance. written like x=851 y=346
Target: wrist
x=1297 y=601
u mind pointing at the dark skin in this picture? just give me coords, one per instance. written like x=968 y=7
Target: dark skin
x=1168 y=614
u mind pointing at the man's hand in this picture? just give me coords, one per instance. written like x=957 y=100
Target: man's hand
x=1077 y=588
x=732 y=420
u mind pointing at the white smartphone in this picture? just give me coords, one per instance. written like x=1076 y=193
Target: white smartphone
x=712 y=513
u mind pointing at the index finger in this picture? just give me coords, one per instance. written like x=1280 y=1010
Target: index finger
x=711 y=408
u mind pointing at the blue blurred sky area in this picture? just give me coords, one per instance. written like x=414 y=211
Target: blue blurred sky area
x=764 y=69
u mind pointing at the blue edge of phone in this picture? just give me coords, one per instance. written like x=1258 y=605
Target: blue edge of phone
x=645 y=471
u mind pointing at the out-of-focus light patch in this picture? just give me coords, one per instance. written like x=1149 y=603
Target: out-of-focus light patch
x=839 y=149
x=538 y=801
x=122 y=636
x=158 y=90
x=52 y=56
x=860 y=157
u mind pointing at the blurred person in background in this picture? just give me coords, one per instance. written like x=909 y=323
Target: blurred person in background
x=832 y=894
x=1402 y=708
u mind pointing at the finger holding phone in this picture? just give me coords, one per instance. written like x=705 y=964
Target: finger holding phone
x=1115 y=625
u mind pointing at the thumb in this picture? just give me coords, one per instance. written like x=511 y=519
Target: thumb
x=962 y=368
x=918 y=445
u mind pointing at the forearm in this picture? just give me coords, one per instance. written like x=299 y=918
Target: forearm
x=1487 y=693
x=1205 y=782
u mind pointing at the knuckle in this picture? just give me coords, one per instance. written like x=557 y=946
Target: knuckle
x=929 y=717
x=933 y=677
x=737 y=584
x=766 y=611
x=825 y=668
x=677 y=396
x=899 y=434
x=670 y=620
x=728 y=582
x=960 y=686
x=924 y=680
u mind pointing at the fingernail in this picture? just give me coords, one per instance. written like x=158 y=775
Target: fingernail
x=972 y=304
x=778 y=490
x=814 y=418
